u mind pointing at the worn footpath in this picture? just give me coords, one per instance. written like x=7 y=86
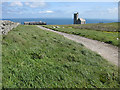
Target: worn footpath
x=107 y=51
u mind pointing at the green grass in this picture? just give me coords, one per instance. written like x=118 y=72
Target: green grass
x=89 y=31
x=111 y=27
x=33 y=58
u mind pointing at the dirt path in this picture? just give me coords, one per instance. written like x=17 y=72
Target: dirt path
x=109 y=52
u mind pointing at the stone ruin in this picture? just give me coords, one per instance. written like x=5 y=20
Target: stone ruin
x=35 y=23
x=78 y=20
x=6 y=26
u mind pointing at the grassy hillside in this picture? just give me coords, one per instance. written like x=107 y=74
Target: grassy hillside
x=36 y=58
x=110 y=27
x=102 y=32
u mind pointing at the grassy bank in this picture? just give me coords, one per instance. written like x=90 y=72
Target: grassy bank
x=110 y=27
x=107 y=33
x=37 y=58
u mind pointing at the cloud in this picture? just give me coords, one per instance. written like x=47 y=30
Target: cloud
x=35 y=4
x=103 y=13
x=48 y=11
x=26 y=3
x=14 y=13
x=113 y=10
x=17 y=3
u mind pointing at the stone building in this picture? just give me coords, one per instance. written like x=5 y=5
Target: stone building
x=78 y=20
x=35 y=23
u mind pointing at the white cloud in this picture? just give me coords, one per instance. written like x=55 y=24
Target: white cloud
x=35 y=4
x=113 y=10
x=48 y=11
x=26 y=3
x=102 y=13
x=62 y=0
x=17 y=3
x=15 y=11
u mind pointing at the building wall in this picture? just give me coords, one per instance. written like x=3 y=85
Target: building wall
x=82 y=22
x=77 y=20
x=34 y=23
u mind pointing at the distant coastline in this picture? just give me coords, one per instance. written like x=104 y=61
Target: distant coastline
x=59 y=21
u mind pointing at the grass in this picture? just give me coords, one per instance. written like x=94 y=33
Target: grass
x=34 y=58
x=102 y=32
x=110 y=27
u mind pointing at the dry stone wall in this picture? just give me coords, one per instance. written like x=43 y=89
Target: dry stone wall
x=6 y=26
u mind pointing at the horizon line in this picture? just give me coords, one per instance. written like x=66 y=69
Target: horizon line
x=59 y=18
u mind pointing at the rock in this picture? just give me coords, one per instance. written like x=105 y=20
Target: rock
x=53 y=27
x=3 y=24
x=2 y=27
x=6 y=26
x=57 y=27
x=3 y=32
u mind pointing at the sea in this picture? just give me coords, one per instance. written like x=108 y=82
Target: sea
x=59 y=21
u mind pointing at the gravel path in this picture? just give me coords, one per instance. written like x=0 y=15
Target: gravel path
x=109 y=52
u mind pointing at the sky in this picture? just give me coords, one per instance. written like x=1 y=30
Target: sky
x=90 y=10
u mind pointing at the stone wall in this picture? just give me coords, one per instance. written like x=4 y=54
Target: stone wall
x=35 y=23
x=6 y=26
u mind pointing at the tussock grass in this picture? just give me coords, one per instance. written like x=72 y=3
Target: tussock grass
x=34 y=58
